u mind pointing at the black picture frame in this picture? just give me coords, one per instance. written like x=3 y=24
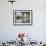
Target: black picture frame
x=18 y=16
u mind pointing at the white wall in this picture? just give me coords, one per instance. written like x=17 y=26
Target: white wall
x=38 y=30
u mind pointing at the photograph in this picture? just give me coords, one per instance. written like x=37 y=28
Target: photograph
x=22 y=22
x=22 y=17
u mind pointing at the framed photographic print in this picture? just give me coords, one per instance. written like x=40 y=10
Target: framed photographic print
x=22 y=17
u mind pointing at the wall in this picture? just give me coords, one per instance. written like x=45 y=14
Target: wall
x=38 y=29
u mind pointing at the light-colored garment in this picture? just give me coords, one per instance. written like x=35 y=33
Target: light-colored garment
x=29 y=45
